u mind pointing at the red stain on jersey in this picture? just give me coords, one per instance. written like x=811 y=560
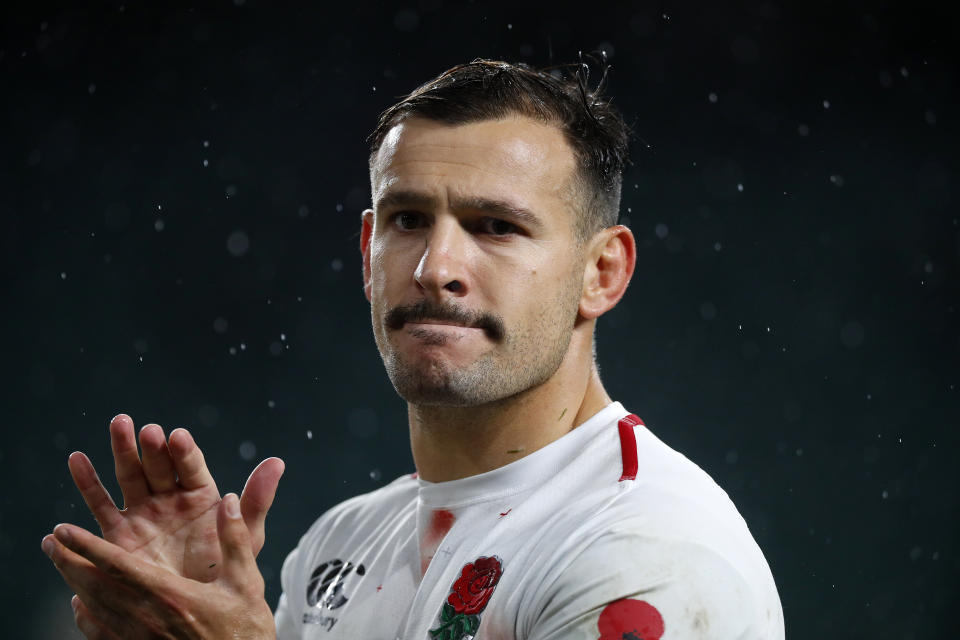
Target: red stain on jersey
x=630 y=620
x=628 y=446
x=506 y=512
x=440 y=522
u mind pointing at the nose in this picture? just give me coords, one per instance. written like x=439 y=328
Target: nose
x=442 y=271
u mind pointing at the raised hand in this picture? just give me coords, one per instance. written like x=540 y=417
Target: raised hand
x=123 y=596
x=170 y=499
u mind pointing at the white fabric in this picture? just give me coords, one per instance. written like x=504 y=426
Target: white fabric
x=571 y=537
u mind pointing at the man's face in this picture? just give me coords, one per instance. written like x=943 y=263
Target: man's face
x=470 y=260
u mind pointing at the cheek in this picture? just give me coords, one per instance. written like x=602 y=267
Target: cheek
x=384 y=267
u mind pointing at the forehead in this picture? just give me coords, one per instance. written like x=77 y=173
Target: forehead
x=516 y=156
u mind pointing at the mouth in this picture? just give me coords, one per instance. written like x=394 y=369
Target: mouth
x=426 y=316
x=436 y=321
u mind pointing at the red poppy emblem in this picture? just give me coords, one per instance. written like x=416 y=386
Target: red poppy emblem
x=630 y=620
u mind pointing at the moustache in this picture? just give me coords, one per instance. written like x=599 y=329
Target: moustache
x=491 y=324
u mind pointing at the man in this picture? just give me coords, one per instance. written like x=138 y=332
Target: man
x=540 y=508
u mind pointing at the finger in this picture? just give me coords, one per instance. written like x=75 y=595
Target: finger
x=130 y=476
x=89 y=626
x=239 y=566
x=84 y=578
x=78 y=549
x=98 y=500
x=192 y=472
x=257 y=497
x=157 y=465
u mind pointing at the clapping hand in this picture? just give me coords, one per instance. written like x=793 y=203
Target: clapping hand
x=170 y=560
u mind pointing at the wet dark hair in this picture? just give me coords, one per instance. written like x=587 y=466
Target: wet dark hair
x=558 y=96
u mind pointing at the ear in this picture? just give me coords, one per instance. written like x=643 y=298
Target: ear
x=366 y=232
x=611 y=257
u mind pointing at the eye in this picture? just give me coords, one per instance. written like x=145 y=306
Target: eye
x=407 y=220
x=498 y=227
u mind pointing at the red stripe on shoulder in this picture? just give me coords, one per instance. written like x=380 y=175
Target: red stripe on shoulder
x=628 y=446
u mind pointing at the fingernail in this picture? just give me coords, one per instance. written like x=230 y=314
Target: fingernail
x=74 y=603
x=47 y=546
x=62 y=532
x=232 y=504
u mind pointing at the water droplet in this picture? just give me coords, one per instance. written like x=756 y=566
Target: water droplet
x=309 y=435
x=826 y=104
x=247 y=450
x=158 y=225
x=271 y=404
x=238 y=243
x=712 y=97
x=63 y=275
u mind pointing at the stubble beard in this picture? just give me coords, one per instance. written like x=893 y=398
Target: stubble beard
x=525 y=358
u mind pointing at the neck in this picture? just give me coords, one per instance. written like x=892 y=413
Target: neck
x=456 y=442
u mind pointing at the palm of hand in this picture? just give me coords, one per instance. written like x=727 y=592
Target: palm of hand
x=171 y=500
x=175 y=530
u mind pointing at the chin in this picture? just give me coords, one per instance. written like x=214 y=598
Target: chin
x=436 y=383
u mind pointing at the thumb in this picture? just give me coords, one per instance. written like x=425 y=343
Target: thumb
x=257 y=497
x=239 y=566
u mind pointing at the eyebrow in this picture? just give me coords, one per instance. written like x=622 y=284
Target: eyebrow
x=411 y=198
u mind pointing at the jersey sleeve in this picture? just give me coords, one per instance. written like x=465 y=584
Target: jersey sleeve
x=287 y=627
x=624 y=586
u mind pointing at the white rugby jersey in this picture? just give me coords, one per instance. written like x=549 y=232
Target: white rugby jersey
x=606 y=533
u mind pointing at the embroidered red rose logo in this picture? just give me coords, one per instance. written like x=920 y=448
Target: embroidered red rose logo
x=460 y=616
x=630 y=620
x=475 y=585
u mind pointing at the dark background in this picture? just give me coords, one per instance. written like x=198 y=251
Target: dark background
x=180 y=192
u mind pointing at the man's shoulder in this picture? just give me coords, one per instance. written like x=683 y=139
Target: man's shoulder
x=372 y=507
x=628 y=481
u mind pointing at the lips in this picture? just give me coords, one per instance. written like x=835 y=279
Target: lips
x=436 y=321
x=431 y=314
